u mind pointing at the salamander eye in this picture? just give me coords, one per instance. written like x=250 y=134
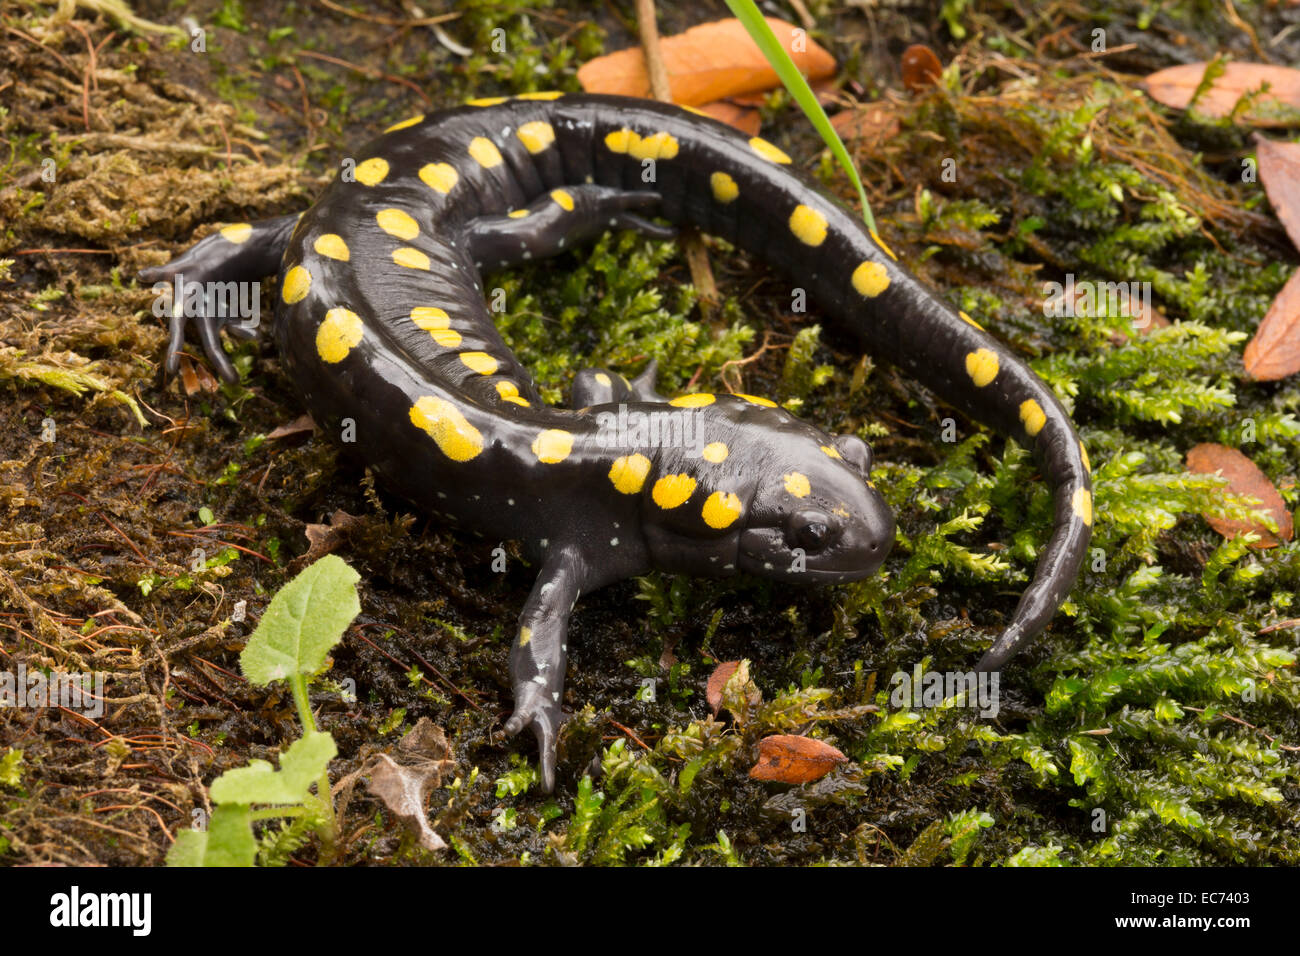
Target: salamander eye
x=811 y=530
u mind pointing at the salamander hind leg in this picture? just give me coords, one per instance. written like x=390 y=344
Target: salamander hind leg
x=559 y=220
x=538 y=656
x=214 y=285
x=600 y=386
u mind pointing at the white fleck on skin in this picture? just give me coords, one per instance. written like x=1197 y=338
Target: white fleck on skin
x=442 y=494
x=555 y=695
x=767 y=566
x=545 y=542
x=728 y=567
x=539 y=679
x=510 y=502
x=613 y=542
x=613 y=222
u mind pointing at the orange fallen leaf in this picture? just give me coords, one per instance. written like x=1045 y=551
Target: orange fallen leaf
x=872 y=123
x=709 y=62
x=1244 y=478
x=1274 y=352
x=1175 y=86
x=785 y=758
x=921 y=68
x=717 y=681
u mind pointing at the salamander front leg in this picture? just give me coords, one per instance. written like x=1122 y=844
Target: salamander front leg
x=538 y=656
x=206 y=274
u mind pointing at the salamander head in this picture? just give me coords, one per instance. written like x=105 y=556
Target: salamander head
x=823 y=524
x=769 y=495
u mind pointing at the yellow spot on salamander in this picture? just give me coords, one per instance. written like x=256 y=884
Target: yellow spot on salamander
x=797 y=484
x=411 y=258
x=536 y=136
x=332 y=246
x=724 y=187
x=509 y=392
x=716 y=452
x=769 y=152
x=628 y=473
x=832 y=451
x=552 y=445
x=372 y=171
x=456 y=437
x=517 y=213
x=1083 y=453
x=338 y=334
x=296 y=283
x=881 y=243
x=967 y=319
x=697 y=400
x=808 y=225
x=525 y=635
x=430 y=317
x=673 y=490
x=870 y=279
x=439 y=177
x=604 y=380
x=543 y=95
x=1082 y=504
x=237 y=233
x=982 y=366
x=756 y=400
x=480 y=362
x=660 y=145
x=397 y=224
x=437 y=323
x=484 y=152
x=486 y=101
x=721 y=509
x=1031 y=413
x=563 y=199
x=405 y=124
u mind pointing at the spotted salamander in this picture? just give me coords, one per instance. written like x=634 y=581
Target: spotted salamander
x=381 y=323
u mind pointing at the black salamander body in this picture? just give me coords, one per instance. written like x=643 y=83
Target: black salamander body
x=381 y=321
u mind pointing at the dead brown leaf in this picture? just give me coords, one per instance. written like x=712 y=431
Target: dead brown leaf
x=1274 y=352
x=1176 y=85
x=403 y=787
x=1244 y=478
x=785 y=758
x=717 y=681
x=872 y=123
x=1279 y=171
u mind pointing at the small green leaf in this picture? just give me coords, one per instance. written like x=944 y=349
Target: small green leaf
x=228 y=840
x=304 y=761
x=303 y=621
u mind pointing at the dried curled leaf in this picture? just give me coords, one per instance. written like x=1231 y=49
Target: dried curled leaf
x=1176 y=85
x=404 y=787
x=785 y=758
x=872 y=123
x=709 y=62
x=1274 y=352
x=1244 y=478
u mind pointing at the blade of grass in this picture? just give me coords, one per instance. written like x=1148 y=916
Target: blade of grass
x=748 y=14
